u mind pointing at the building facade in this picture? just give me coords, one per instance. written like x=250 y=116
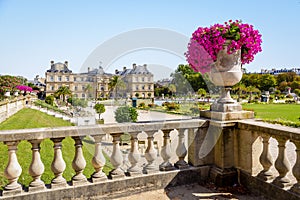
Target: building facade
x=95 y=82
x=138 y=80
x=92 y=84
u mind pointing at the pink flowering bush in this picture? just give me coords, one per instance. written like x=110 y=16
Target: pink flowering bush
x=24 y=88
x=206 y=42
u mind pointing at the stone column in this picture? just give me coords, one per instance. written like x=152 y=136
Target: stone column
x=282 y=164
x=166 y=152
x=150 y=155
x=181 y=151
x=266 y=160
x=116 y=158
x=78 y=163
x=12 y=171
x=98 y=161
x=36 y=168
x=296 y=168
x=58 y=165
x=134 y=156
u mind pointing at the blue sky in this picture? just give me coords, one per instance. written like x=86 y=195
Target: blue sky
x=34 y=32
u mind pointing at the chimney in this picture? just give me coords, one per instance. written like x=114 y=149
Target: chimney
x=89 y=69
x=66 y=63
x=51 y=62
x=134 y=65
x=124 y=68
x=145 y=65
x=116 y=71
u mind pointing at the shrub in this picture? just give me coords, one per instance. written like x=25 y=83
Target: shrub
x=126 y=114
x=50 y=100
x=172 y=106
x=142 y=105
x=78 y=102
x=151 y=105
x=195 y=110
x=99 y=108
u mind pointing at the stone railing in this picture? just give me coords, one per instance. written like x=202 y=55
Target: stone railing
x=13 y=170
x=270 y=153
x=8 y=107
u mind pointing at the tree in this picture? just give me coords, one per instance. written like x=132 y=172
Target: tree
x=239 y=88
x=252 y=89
x=265 y=82
x=63 y=91
x=88 y=89
x=172 y=89
x=100 y=108
x=116 y=83
x=126 y=114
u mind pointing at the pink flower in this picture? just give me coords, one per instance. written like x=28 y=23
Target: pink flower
x=207 y=42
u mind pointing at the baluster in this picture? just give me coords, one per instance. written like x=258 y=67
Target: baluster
x=181 y=151
x=166 y=153
x=282 y=165
x=78 y=163
x=98 y=161
x=58 y=165
x=134 y=156
x=12 y=171
x=36 y=167
x=116 y=158
x=150 y=154
x=266 y=160
x=296 y=168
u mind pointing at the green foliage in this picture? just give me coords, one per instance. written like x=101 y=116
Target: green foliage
x=202 y=92
x=49 y=107
x=142 y=105
x=171 y=105
x=78 y=102
x=50 y=100
x=63 y=91
x=126 y=114
x=100 y=108
x=151 y=105
x=116 y=84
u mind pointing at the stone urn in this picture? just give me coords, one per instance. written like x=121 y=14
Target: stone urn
x=226 y=72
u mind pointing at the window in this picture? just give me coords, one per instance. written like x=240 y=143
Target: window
x=149 y=87
x=136 y=79
x=83 y=87
x=59 y=78
x=149 y=79
x=143 y=79
x=82 y=95
x=52 y=87
x=82 y=79
x=76 y=88
x=143 y=87
x=102 y=88
x=74 y=78
x=51 y=78
x=67 y=78
x=137 y=87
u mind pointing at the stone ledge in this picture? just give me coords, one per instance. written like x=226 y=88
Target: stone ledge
x=122 y=187
x=227 y=116
x=268 y=190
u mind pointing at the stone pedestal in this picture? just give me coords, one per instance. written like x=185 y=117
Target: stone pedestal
x=226 y=116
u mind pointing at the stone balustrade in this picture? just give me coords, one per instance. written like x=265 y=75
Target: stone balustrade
x=98 y=132
x=8 y=107
x=274 y=153
x=252 y=153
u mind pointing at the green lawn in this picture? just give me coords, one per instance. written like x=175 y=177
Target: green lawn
x=28 y=118
x=276 y=112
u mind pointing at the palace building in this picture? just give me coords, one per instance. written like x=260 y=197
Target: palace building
x=94 y=83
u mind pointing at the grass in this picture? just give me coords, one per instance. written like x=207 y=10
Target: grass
x=285 y=114
x=28 y=118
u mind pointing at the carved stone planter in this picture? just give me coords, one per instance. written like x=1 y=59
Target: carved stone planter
x=226 y=72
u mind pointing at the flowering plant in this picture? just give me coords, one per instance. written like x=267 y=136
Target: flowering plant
x=24 y=88
x=206 y=42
